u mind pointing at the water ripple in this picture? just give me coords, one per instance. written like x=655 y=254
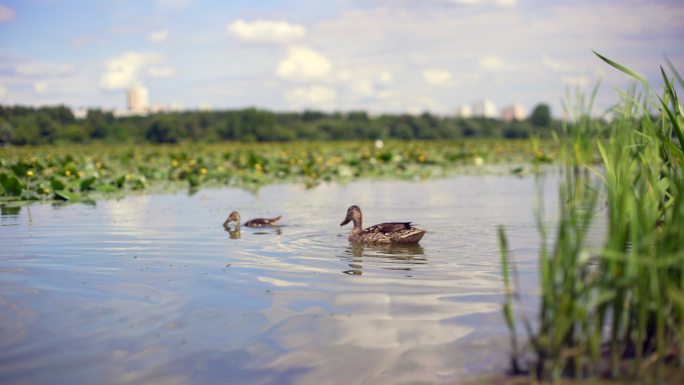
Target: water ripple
x=152 y=288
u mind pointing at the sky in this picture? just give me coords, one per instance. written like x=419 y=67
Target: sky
x=382 y=56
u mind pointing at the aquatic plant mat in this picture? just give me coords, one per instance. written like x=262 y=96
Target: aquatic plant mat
x=87 y=171
x=616 y=311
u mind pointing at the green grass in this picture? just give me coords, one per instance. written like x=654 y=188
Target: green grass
x=618 y=311
x=89 y=171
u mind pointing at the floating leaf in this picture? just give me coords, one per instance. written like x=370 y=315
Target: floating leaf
x=68 y=196
x=87 y=183
x=11 y=185
x=106 y=188
x=57 y=184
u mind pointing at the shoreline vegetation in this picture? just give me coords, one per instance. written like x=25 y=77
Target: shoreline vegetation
x=23 y=125
x=616 y=312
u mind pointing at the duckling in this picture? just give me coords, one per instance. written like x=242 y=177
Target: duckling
x=256 y=222
x=233 y=233
x=389 y=232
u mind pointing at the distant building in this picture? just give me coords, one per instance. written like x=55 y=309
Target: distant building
x=159 y=108
x=512 y=112
x=138 y=99
x=463 y=112
x=205 y=107
x=80 y=113
x=484 y=109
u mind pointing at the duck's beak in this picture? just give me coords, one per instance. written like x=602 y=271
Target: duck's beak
x=346 y=219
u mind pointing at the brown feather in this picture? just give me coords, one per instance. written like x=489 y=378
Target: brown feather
x=389 y=227
x=262 y=222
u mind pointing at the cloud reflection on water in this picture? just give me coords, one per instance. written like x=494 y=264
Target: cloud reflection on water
x=151 y=289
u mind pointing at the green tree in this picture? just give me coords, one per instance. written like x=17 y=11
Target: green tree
x=162 y=131
x=515 y=130
x=98 y=123
x=357 y=116
x=60 y=114
x=6 y=132
x=541 y=115
x=73 y=133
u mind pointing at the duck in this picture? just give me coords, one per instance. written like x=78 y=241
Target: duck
x=387 y=233
x=234 y=216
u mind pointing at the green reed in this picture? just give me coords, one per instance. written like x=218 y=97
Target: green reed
x=617 y=310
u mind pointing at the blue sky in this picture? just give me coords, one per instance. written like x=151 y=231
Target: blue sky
x=376 y=55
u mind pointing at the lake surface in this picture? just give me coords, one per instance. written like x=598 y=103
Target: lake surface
x=151 y=289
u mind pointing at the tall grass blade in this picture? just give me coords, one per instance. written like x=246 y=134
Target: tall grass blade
x=674 y=72
x=679 y=131
x=508 y=299
x=621 y=68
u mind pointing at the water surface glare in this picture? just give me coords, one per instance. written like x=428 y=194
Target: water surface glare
x=151 y=289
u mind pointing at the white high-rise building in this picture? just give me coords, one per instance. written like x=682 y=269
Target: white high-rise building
x=138 y=99
x=512 y=112
x=463 y=111
x=484 y=109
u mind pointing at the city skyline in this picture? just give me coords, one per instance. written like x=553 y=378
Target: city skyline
x=138 y=102
x=380 y=56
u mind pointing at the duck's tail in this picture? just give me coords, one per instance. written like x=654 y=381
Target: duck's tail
x=412 y=235
x=274 y=220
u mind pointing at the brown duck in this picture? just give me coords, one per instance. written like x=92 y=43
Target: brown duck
x=256 y=222
x=390 y=232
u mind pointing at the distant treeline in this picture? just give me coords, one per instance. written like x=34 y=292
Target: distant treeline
x=21 y=125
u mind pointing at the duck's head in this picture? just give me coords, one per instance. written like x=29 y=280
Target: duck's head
x=234 y=216
x=353 y=214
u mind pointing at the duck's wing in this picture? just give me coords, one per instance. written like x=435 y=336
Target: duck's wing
x=388 y=227
x=262 y=222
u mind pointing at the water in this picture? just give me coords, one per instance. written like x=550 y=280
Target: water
x=151 y=289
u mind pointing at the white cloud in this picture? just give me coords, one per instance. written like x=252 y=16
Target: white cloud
x=463 y=2
x=3 y=90
x=314 y=96
x=266 y=31
x=507 y=3
x=364 y=87
x=125 y=70
x=158 y=36
x=6 y=14
x=40 y=87
x=424 y=103
x=502 y=3
x=556 y=65
x=44 y=69
x=344 y=75
x=370 y=89
x=385 y=78
x=492 y=63
x=161 y=72
x=172 y=4
x=579 y=81
x=367 y=83
x=436 y=77
x=303 y=64
x=83 y=41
